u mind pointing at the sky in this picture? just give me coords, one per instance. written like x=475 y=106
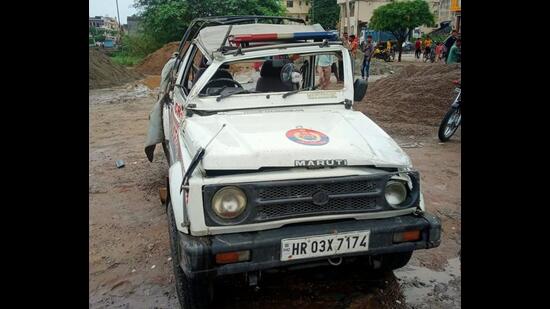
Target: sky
x=108 y=8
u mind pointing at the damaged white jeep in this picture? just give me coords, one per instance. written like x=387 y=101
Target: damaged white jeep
x=270 y=166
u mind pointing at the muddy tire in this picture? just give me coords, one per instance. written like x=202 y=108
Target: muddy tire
x=446 y=130
x=192 y=293
x=393 y=261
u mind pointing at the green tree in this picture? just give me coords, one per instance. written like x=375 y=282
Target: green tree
x=166 y=20
x=98 y=34
x=324 y=12
x=401 y=17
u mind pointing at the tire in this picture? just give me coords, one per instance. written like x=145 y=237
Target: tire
x=192 y=293
x=445 y=132
x=392 y=261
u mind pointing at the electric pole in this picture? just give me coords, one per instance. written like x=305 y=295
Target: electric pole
x=119 y=21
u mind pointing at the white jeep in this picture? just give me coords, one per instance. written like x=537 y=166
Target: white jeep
x=270 y=166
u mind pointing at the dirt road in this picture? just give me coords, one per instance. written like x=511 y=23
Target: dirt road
x=129 y=250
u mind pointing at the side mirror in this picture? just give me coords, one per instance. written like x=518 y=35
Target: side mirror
x=359 y=89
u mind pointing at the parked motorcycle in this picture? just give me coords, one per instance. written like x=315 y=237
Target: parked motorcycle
x=430 y=56
x=453 y=118
x=383 y=54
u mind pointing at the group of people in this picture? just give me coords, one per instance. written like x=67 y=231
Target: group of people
x=447 y=51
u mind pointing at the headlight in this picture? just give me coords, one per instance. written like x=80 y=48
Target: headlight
x=229 y=202
x=396 y=192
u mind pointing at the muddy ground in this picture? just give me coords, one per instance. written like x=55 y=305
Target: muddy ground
x=129 y=264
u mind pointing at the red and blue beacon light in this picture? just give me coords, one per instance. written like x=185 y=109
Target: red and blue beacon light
x=244 y=39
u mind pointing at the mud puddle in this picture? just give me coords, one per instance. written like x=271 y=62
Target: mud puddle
x=426 y=288
x=122 y=94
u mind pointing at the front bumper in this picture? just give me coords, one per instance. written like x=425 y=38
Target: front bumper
x=198 y=253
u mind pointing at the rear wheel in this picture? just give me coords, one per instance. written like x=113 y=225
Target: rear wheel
x=449 y=124
x=193 y=293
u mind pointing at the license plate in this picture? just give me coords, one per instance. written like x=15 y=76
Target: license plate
x=324 y=245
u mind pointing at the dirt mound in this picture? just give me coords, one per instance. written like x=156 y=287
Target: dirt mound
x=412 y=101
x=154 y=62
x=104 y=73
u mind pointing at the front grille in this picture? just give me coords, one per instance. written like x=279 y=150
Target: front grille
x=277 y=200
x=302 y=209
x=306 y=190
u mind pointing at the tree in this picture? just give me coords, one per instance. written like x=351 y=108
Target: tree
x=98 y=34
x=401 y=17
x=166 y=20
x=324 y=12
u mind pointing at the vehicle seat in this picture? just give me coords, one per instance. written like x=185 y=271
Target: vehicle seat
x=270 y=79
x=220 y=73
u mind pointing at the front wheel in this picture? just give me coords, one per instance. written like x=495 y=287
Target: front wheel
x=449 y=124
x=193 y=293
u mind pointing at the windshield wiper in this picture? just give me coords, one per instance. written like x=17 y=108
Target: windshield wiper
x=228 y=94
x=286 y=94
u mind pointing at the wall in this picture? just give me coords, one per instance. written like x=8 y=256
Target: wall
x=300 y=8
x=362 y=12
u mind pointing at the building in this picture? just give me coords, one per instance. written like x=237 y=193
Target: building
x=134 y=25
x=357 y=13
x=110 y=26
x=104 y=22
x=456 y=12
x=297 y=8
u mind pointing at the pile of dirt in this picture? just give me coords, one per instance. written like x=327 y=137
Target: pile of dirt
x=154 y=62
x=412 y=101
x=377 y=66
x=104 y=73
x=380 y=67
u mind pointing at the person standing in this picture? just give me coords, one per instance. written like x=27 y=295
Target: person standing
x=427 y=46
x=449 y=42
x=324 y=63
x=439 y=51
x=368 y=49
x=417 y=48
x=353 y=45
x=454 y=53
x=345 y=43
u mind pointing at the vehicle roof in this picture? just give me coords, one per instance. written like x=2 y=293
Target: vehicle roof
x=211 y=38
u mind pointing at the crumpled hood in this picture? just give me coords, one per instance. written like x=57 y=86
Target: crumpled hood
x=278 y=139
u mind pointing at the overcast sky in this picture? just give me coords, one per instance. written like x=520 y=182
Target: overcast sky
x=108 y=8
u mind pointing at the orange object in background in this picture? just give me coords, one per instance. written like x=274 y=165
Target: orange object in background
x=455 y=5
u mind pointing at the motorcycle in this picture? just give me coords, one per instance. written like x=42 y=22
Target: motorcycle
x=381 y=52
x=430 y=56
x=453 y=118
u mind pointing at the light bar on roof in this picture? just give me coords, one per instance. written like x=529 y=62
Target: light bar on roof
x=268 y=37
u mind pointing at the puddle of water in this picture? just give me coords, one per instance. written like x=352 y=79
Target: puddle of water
x=118 y=94
x=422 y=286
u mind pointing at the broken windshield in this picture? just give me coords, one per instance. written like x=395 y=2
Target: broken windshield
x=286 y=73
